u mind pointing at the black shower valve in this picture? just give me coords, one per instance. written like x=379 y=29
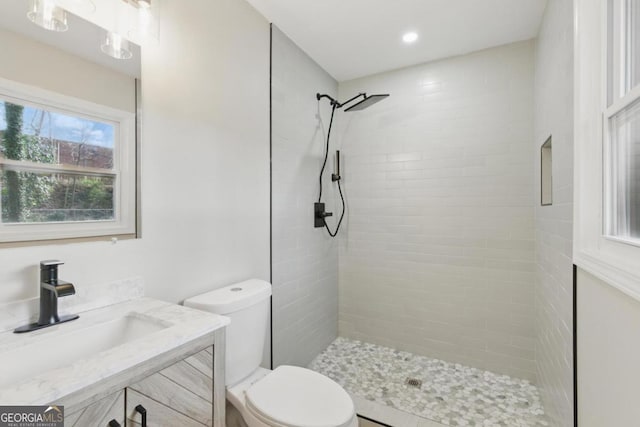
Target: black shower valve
x=319 y=215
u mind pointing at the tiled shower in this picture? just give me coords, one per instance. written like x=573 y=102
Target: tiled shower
x=437 y=258
x=437 y=265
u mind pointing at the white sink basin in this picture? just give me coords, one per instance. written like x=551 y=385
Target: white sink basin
x=63 y=345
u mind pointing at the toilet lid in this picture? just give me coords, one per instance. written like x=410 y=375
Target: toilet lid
x=297 y=397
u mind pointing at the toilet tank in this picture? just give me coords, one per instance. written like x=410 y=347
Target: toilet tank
x=247 y=305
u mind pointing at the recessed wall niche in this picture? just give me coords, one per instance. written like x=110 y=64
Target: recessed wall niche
x=546 y=173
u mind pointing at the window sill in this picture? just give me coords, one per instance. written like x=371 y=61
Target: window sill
x=117 y=237
x=621 y=279
x=627 y=241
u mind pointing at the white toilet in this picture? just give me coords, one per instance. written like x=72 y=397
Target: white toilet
x=288 y=396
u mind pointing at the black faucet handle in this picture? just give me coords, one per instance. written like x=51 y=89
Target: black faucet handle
x=50 y=263
x=60 y=288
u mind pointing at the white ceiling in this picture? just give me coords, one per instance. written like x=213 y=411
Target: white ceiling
x=355 y=38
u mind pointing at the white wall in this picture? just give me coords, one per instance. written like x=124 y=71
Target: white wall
x=608 y=353
x=553 y=114
x=205 y=164
x=439 y=254
x=305 y=259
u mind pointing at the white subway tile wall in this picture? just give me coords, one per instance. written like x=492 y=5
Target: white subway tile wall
x=305 y=259
x=553 y=115
x=438 y=255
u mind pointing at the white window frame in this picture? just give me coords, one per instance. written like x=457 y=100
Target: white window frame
x=124 y=168
x=611 y=188
x=620 y=96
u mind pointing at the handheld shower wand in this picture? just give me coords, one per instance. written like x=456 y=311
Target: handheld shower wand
x=336 y=176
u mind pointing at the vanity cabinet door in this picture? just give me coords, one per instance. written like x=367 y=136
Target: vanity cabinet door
x=180 y=395
x=100 y=413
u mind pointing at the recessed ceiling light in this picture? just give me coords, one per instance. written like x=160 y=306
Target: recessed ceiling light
x=410 y=37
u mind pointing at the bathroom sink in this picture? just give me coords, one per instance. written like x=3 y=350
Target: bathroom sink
x=63 y=345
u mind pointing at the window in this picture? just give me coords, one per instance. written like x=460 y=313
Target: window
x=607 y=98
x=67 y=167
x=622 y=123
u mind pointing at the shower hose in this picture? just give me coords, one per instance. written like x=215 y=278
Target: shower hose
x=324 y=164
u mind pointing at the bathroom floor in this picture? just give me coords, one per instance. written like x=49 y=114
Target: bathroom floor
x=448 y=393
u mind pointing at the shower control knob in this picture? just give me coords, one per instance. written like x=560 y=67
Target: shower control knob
x=319 y=215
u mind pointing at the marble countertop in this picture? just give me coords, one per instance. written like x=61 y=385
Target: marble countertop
x=182 y=325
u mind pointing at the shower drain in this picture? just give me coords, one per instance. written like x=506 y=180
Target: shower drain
x=413 y=382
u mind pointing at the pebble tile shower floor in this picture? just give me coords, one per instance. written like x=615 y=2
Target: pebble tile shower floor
x=451 y=394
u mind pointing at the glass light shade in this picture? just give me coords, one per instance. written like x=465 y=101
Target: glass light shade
x=48 y=15
x=116 y=46
x=143 y=20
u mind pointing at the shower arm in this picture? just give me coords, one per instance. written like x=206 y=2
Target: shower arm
x=335 y=103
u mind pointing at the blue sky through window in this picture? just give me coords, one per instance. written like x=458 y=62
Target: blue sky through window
x=63 y=127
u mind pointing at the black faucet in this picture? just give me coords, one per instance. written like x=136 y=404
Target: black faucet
x=51 y=288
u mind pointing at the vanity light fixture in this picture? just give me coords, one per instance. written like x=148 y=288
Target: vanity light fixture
x=52 y=15
x=116 y=46
x=48 y=15
x=410 y=37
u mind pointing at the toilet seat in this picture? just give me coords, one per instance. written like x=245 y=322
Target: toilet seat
x=290 y=396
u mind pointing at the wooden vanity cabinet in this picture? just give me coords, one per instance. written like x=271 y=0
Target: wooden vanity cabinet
x=180 y=395
x=99 y=414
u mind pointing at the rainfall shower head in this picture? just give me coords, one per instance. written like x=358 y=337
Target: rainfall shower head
x=367 y=102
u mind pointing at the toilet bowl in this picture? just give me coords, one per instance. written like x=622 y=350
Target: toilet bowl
x=288 y=396
x=293 y=397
